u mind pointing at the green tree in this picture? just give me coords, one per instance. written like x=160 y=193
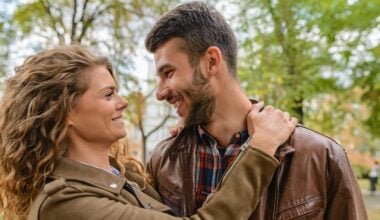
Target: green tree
x=6 y=35
x=308 y=57
x=112 y=27
x=296 y=50
x=367 y=76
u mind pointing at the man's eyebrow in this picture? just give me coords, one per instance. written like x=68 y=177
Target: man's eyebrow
x=162 y=68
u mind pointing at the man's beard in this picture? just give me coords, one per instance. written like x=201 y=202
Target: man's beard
x=202 y=100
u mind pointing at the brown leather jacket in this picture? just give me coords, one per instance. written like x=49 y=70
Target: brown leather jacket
x=314 y=179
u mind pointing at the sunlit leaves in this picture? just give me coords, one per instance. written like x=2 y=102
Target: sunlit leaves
x=296 y=53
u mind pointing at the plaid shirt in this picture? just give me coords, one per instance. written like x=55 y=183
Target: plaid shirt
x=211 y=161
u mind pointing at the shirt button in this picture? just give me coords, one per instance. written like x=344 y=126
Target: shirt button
x=149 y=206
x=113 y=185
x=237 y=135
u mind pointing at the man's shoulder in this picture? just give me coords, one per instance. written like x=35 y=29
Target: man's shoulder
x=182 y=141
x=163 y=146
x=318 y=150
x=307 y=140
x=161 y=155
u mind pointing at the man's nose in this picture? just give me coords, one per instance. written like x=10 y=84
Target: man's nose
x=161 y=93
x=162 y=89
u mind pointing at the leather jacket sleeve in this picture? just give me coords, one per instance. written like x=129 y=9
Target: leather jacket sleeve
x=344 y=197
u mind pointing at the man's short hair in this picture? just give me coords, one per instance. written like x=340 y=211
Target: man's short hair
x=200 y=26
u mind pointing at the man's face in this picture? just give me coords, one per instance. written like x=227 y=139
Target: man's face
x=183 y=86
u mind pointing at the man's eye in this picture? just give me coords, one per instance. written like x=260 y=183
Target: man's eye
x=169 y=73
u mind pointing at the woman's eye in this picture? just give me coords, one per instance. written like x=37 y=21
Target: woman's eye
x=109 y=94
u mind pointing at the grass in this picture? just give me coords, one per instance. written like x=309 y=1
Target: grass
x=372 y=213
x=363 y=183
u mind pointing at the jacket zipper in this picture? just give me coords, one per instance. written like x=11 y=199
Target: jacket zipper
x=240 y=154
x=276 y=193
x=184 y=200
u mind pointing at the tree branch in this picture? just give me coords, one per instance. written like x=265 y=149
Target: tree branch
x=159 y=125
x=84 y=7
x=88 y=22
x=277 y=25
x=46 y=5
x=149 y=94
x=73 y=22
x=60 y=20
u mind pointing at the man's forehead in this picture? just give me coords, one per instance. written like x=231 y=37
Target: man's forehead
x=166 y=55
x=173 y=45
x=161 y=62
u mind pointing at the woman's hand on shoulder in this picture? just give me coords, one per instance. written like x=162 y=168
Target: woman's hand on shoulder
x=269 y=127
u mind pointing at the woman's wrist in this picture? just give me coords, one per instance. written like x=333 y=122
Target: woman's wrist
x=265 y=146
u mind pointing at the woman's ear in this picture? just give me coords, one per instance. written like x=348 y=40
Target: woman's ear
x=70 y=119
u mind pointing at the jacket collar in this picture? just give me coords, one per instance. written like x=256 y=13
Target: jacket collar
x=78 y=172
x=283 y=151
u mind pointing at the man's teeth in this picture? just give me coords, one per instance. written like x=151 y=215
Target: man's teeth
x=177 y=103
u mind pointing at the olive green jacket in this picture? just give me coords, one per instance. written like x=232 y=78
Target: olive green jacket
x=78 y=191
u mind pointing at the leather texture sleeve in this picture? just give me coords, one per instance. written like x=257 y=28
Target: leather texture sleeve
x=345 y=200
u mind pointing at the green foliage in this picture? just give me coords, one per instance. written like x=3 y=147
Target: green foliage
x=6 y=36
x=27 y=16
x=136 y=108
x=307 y=57
x=367 y=75
x=113 y=28
x=361 y=171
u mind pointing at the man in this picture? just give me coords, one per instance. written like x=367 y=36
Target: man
x=195 y=53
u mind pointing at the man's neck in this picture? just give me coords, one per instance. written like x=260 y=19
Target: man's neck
x=231 y=110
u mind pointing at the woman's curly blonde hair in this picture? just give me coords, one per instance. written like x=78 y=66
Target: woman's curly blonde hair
x=33 y=111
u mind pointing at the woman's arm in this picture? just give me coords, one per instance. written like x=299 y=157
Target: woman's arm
x=235 y=198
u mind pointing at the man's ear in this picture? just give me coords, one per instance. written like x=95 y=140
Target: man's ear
x=211 y=61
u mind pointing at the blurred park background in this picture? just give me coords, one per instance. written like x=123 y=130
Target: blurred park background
x=318 y=60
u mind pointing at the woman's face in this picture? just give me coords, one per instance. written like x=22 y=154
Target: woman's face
x=97 y=114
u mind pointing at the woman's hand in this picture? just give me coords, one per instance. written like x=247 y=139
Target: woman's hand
x=269 y=127
x=178 y=128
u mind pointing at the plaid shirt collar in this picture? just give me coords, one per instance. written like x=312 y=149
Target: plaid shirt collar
x=211 y=162
x=205 y=139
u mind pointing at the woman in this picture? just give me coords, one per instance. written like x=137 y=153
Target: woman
x=61 y=118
